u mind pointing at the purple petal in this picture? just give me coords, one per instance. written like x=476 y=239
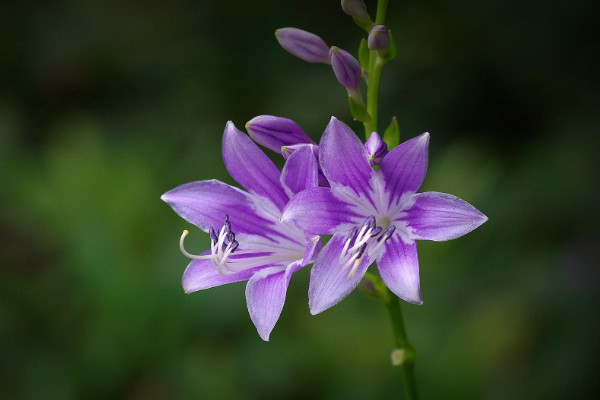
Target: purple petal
x=329 y=284
x=344 y=159
x=405 y=166
x=287 y=151
x=346 y=68
x=305 y=45
x=205 y=204
x=399 y=269
x=441 y=216
x=265 y=295
x=200 y=275
x=274 y=132
x=300 y=172
x=312 y=247
x=250 y=167
x=318 y=211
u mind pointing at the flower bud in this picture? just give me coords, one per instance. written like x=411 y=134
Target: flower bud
x=305 y=45
x=358 y=11
x=274 y=132
x=376 y=149
x=346 y=69
x=379 y=38
x=354 y=8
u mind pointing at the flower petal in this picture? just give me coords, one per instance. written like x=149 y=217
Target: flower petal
x=300 y=171
x=265 y=295
x=344 y=159
x=318 y=211
x=404 y=167
x=399 y=268
x=200 y=275
x=441 y=216
x=312 y=247
x=329 y=284
x=274 y=132
x=205 y=204
x=250 y=167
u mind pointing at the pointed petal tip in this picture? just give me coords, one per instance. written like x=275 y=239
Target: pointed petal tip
x=413 y=298
x=164 y=197
x=229 y=126
x=315 y=308
x=264 y=335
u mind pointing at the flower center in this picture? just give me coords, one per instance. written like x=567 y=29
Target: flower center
x=221 y=247
x=366 y=237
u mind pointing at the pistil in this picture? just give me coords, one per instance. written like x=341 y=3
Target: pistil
x=221 y=246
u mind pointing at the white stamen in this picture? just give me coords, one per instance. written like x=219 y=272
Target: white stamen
x=354 y=268
x=377 y=247
x=218 y=256
x=343 y=254
x=185 y=252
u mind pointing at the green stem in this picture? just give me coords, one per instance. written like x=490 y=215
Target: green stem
x=409 y=354
x=381 y=10
x=375 y=67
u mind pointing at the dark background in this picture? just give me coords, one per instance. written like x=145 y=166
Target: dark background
x=105 y=105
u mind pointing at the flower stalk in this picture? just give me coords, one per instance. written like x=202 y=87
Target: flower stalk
x=376 y=64
x=406 y=357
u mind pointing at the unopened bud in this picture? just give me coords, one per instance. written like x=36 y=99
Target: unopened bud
x=354 y=8
x=305 y=45
x=397 y=357
x=275 y=132
x=376 y=149
x=358 y=11
x=379 y=38
x=346 y=69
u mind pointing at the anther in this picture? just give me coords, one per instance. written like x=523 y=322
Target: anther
x=383 y=238
x=376 y=231
x=231 y=237
x=370 y=222
x=387 y=234
x=361 y=250
x=213 y=236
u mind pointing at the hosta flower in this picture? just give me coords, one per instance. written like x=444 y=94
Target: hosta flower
x=247 y=239
x=374 y=216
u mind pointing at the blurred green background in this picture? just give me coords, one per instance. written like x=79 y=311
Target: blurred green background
x=105 y=105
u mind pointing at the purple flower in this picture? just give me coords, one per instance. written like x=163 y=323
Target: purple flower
x=374 y=216
x=305 y=45
x=252 y=244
